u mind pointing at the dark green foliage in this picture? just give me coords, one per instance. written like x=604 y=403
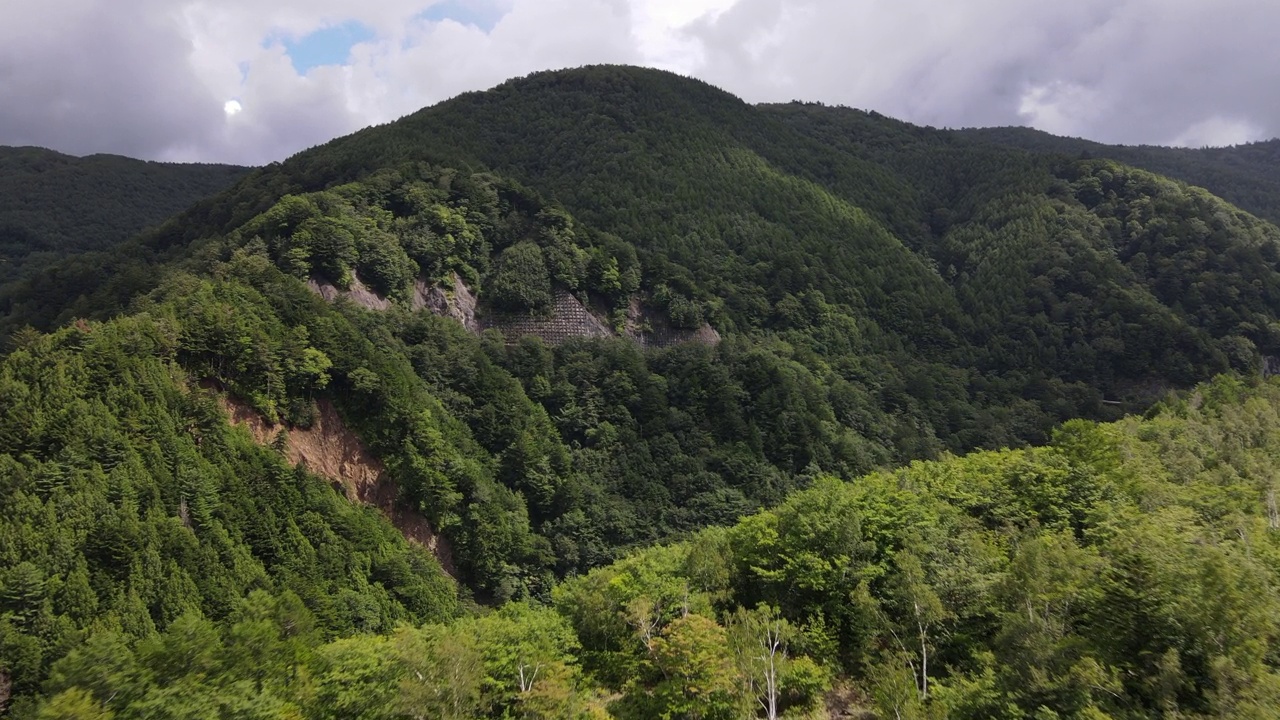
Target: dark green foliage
x=1076 y=580
x=967 y=294
x=983 y=299
x=53 y=204
x=1246 y=175
x=885 y=293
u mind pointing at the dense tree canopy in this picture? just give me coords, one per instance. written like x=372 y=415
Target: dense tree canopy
x=53 y=204
x=1124 y=570
x=683 y=530
x=1246 y=175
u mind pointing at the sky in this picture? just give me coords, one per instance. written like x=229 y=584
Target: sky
x=253 y=81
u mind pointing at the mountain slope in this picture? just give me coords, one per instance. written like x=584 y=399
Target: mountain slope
x=1246 y=175
x=1126 y=571
x=963 y=277
x=843 y=293
x=53 y=204
x=884 y=292
x=867 y=291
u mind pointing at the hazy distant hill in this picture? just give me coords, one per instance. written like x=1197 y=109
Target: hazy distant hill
x=53 y=204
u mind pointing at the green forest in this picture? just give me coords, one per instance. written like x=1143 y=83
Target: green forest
x=1246 y=175
x=983 y=431
x=53 y=204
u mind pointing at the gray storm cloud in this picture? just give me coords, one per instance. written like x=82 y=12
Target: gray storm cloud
x=80 y=78
x=1127 y=71
x=150 y=78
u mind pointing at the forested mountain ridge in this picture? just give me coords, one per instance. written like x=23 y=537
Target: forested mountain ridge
x=53 y=204
x=1246 y=175
x=883 y=293
x=778 y=219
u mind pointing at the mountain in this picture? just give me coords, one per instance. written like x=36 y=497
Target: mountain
x=967 y=270
x=1245 y=175
x=53 y=204
x=520 y=351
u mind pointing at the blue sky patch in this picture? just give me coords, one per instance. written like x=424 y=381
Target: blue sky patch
x=327 y=46
x=483 y=14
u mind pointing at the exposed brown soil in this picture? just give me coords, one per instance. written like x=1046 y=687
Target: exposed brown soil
x=329 y=449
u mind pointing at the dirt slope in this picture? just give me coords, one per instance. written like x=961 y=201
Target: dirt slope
x=329 y=449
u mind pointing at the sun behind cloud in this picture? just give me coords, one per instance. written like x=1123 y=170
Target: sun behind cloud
x=231 y=107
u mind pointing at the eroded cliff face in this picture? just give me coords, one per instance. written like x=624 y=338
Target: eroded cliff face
x=457 y=302
x=331 y=450
x=569 y=317
x=359 y=293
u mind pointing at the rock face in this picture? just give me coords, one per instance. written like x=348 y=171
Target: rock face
x=458 y=303
x=1270 y=366
x=359 y=293
x=651 y=330
x=569 y=318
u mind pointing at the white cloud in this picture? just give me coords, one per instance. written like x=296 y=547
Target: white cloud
x=153 y=78
x=1217 y=131
x=1114 y=70
x=660 y=30
x=1059 y=107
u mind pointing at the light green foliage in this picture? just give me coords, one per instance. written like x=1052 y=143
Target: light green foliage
x=445 y=673
x=132 y=506
x=943 y=591
x=73 y=704
x=771 y=680
x=692 y=653
x=687 y=673
x=355 y=678
x=516 y=662
x=964 y=594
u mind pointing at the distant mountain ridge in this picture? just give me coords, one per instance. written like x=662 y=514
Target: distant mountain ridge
x=53 y=204
x=1246 y=175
